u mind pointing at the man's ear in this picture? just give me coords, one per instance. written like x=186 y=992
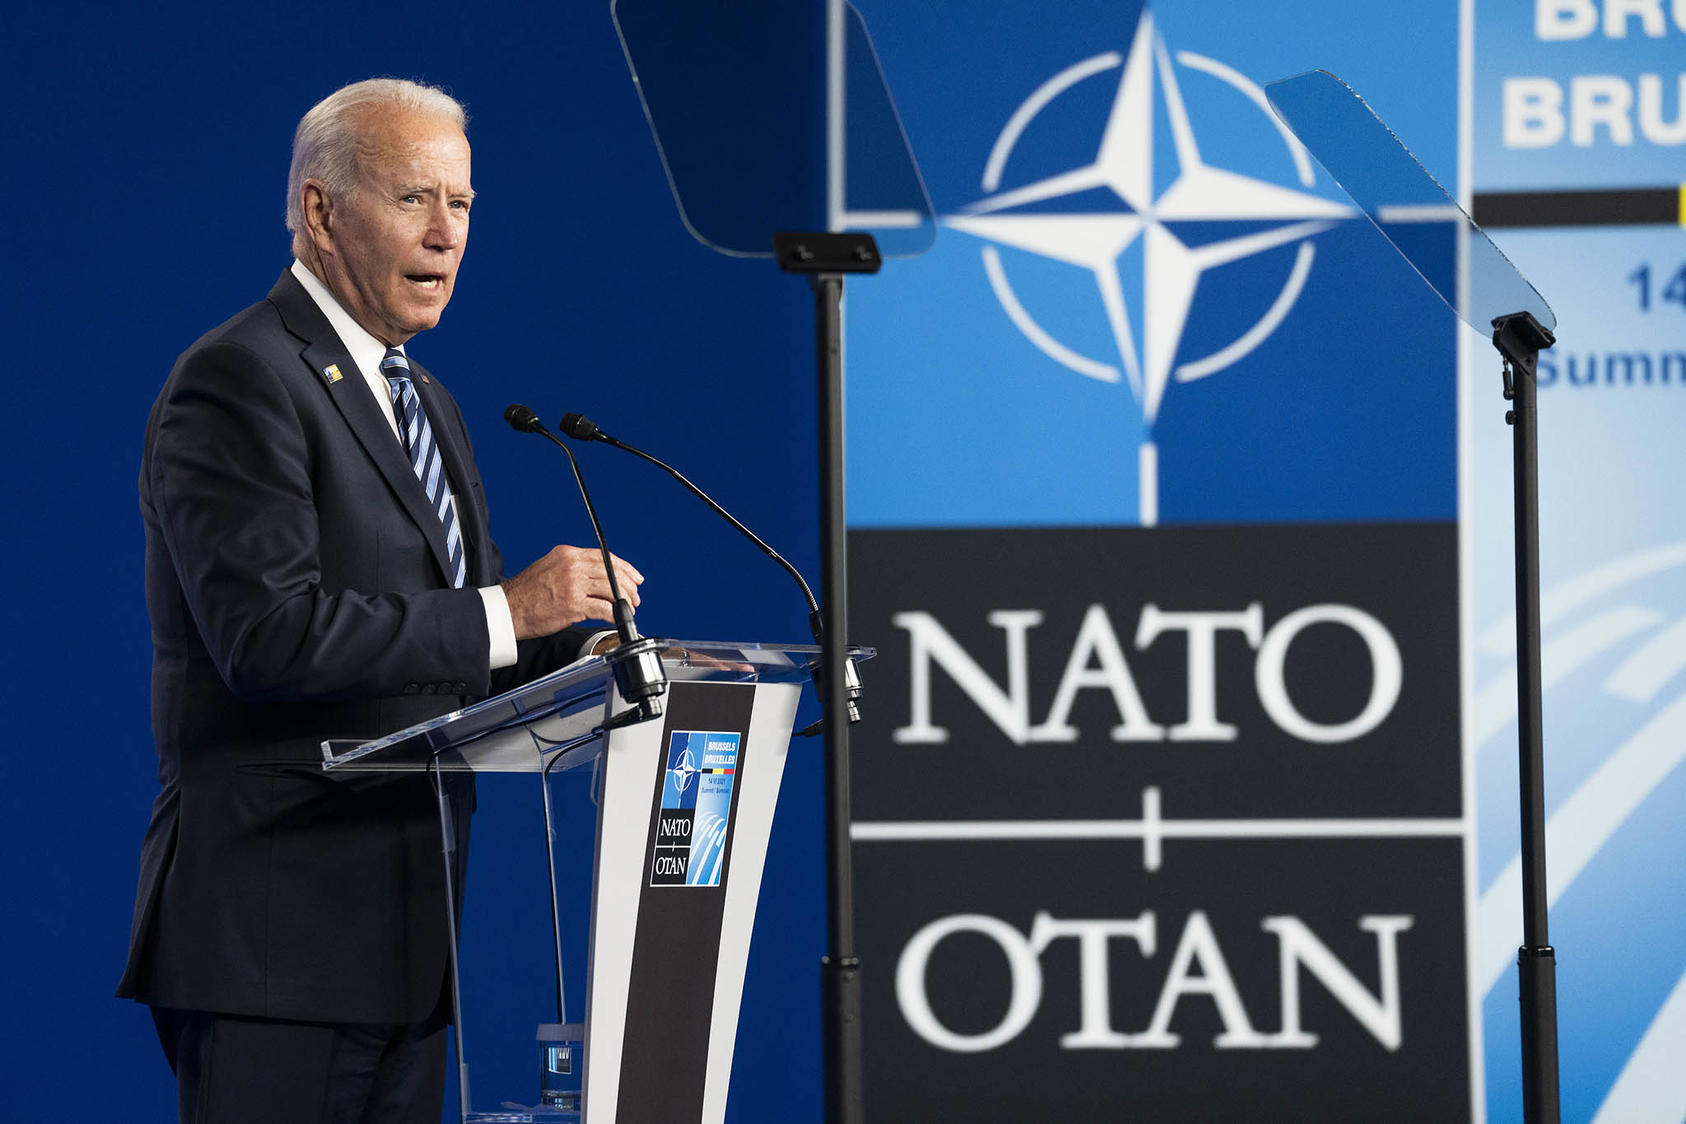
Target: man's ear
x=318 y=215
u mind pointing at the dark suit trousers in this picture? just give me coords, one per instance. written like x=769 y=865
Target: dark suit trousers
x=236 y=1070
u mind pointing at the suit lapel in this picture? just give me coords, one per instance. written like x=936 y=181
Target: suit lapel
x=350 y=394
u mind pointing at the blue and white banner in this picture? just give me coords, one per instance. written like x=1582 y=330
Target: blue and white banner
x=1145 y=289
x=1150 y=315
x=1161 y=805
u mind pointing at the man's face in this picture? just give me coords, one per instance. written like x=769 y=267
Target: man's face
x=394 y=246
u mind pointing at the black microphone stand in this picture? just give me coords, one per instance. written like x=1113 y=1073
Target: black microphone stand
x=635 y=661
x=582 y=428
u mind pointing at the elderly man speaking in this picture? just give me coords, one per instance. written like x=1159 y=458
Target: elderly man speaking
x=318 y=565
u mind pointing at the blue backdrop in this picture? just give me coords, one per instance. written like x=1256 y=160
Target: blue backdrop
x=150 y=146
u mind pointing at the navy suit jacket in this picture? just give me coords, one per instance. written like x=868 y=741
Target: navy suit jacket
x=296 y=583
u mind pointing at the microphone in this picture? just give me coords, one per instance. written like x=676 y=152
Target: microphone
x=635 y=661
x=582 y=428
x=521 y=418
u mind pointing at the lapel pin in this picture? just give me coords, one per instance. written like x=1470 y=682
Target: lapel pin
x=332 y=373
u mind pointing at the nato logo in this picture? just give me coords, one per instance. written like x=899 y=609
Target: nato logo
x=1145 y=229
x=1147 y=305
x=680 y=792
x=693 y=824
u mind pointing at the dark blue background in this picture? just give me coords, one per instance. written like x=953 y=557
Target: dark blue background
x=146 y=150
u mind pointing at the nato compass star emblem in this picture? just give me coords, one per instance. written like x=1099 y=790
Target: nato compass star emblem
x=1154 y=231
x=682 y=772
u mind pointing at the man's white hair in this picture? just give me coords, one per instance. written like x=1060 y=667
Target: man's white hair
x=326 y=143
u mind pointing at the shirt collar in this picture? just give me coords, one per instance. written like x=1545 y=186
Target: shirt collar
x=366 y=351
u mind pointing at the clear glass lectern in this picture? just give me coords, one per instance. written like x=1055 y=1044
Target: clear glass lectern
x=684 y=809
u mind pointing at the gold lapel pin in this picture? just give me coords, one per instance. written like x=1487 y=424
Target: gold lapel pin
x=332 y=371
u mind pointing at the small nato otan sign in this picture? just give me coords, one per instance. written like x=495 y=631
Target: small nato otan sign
x=693 y=820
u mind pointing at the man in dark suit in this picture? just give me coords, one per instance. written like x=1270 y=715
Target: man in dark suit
x=318 y=565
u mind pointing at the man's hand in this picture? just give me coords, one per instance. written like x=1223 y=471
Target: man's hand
x=565 y=587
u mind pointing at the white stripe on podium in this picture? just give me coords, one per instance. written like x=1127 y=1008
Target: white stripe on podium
x=629 y=767
x=761 y=768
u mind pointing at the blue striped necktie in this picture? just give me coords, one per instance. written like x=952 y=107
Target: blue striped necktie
x=417 y=436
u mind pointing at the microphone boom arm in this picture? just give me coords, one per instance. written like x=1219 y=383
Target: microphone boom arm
x=582 y=428
x=636 y=662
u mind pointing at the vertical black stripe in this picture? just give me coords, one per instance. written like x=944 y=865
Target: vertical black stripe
x=676 y=951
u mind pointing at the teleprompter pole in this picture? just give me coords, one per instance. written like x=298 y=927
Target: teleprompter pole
x=841 y=1000
x=1519 y=339
x=825 y=258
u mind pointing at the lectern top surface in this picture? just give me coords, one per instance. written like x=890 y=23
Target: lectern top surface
x=524 y=730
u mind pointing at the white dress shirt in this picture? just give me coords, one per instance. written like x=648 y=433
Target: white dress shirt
x=367 y=352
